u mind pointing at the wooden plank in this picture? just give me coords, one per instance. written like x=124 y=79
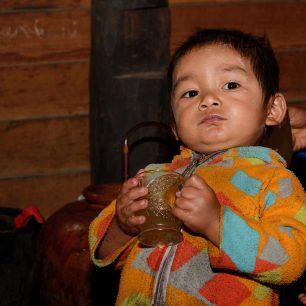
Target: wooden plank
x=40 y=91
x=209 y=2
x=42 y=4
x=293 y=75
x=127 y=78
x=41 y=147
x=285 y=23
x=47 y=193
x=44 y=36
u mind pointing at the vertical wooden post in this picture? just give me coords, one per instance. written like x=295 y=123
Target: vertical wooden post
x=130 y=53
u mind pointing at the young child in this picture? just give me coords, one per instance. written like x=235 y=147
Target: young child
x=243 y=212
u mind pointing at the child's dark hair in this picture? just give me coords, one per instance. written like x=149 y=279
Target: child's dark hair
x=255 y=48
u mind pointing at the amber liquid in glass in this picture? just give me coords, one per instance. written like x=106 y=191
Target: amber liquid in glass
x=161 y=226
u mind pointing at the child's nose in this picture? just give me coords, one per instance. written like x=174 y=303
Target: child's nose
x=209 y=100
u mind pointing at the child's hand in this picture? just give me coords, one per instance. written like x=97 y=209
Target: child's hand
x=128 y=202
x=302 y=297
x=198 y=207
x=297 y=114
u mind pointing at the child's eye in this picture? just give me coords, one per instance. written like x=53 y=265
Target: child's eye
x=190 y=94
x=231 y=85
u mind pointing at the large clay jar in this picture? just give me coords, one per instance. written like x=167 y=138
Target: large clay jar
x=66 y=274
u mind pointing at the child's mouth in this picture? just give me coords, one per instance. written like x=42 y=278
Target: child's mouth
x=210 y=119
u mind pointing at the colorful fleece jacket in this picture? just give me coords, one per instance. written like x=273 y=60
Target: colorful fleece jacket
x=262 y=234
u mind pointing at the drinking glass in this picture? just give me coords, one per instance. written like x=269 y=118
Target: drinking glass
x=161 y=226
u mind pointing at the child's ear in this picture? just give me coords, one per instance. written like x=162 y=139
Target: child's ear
x=173 y=128
x=277 y=108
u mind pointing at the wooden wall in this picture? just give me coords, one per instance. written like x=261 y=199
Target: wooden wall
x=44 y=58
x=44 y=96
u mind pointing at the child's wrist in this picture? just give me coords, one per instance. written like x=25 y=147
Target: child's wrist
x=212 y=230
x=121 y=229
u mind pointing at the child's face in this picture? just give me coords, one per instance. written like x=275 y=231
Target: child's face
x=217 y=101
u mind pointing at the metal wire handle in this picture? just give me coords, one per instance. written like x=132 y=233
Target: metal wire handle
x=132 y=131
